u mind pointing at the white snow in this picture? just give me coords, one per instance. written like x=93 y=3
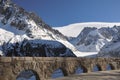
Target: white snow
x=9 y=33
x=73 y=30
x=82 y=50
x=12 y=34
x=95 y=46
x=84 y=54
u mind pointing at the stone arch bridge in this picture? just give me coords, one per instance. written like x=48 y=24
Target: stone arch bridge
x=10 y=67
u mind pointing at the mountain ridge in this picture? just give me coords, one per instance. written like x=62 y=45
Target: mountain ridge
x=22 y=26
x=73 y=30
x=98 y=38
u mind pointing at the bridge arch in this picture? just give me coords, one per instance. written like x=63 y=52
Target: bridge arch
x=28 y=74
x=44 y=67
x=110 y=66
x=81 y=69
x=97 y=67
x=59 y=72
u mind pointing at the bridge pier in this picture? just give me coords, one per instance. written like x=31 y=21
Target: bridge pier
x=6 y=72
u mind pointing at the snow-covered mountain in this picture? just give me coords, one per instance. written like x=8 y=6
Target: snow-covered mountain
x=24 y=33
x=93 y=36
x=93 y=39
x=73 y=30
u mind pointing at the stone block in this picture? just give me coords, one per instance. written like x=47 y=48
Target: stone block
x=5 y=59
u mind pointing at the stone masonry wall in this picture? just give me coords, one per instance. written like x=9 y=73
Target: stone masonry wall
x=10 y=67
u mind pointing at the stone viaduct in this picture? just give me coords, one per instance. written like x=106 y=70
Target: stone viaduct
x=43 y=67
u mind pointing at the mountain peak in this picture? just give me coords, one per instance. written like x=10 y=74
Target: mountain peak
x=19 y=28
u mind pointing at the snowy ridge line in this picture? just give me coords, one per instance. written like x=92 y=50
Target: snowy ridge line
x=73 y=30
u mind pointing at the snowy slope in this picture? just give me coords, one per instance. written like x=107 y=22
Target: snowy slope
x=104 y=41
x=73 y=30
x=18 y=25
x=90 y=37
x=93 y=39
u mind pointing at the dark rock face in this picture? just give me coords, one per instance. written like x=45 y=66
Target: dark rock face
x=92 y=35
x=84 y=34
x=95 y=40
x=39 y=48
x=12 y=14
x=107 y=32
x=112 y=49
x=109 y=53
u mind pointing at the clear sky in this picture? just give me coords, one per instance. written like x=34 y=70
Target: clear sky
x=64 y=12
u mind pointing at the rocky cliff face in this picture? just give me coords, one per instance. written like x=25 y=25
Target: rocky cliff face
x=18 y=25
x=82 y=37
x=46 y=48
x=93 y=39
x=111 y=49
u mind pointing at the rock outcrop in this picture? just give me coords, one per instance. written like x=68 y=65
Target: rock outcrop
x=93 y=39
x=41 y=48
x=112 y=49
